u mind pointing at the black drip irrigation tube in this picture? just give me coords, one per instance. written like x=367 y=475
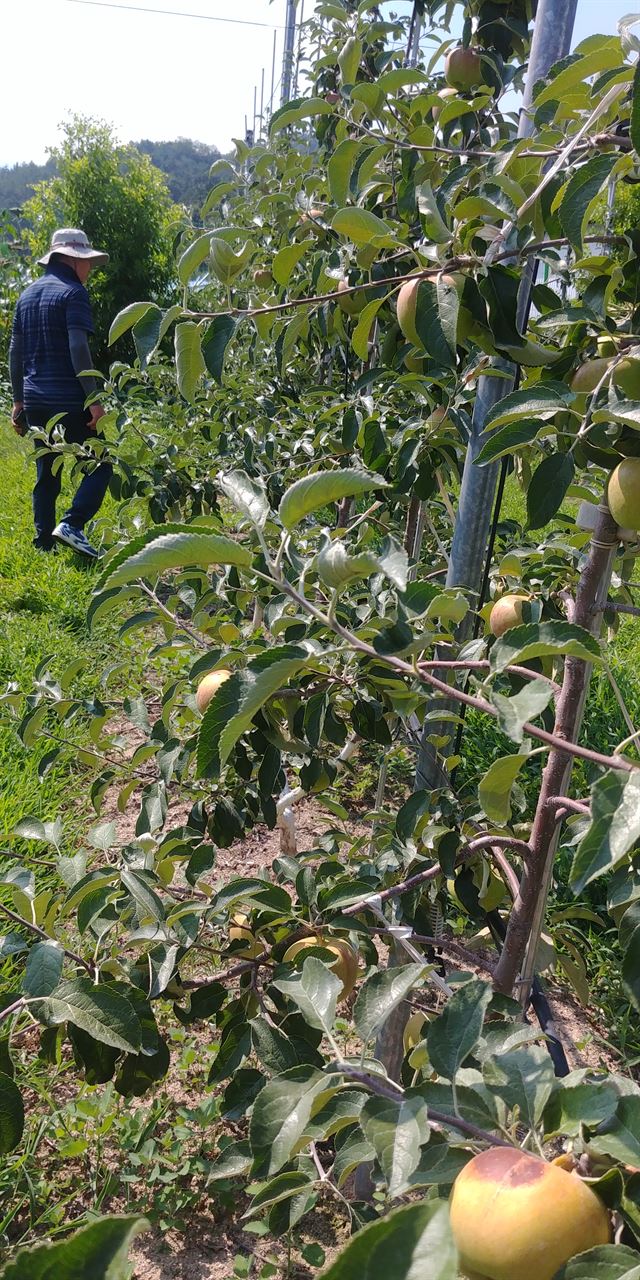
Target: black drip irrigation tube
x=537 y=1001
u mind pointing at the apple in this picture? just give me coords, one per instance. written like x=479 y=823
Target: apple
x=209 y=686
x=239 y=932
x=626 y=376
x=623 y=493
x=414 y=364
x=606 y=346
x=463 y=68
x=506 y=613
x=516 y=1217
x=351 y=303
x=408 y=300
x=345 y=965
x=445 y=95
x=412 y=1034
x=263 y=278
x=588 y=375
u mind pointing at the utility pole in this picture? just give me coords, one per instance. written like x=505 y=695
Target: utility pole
x=551 y=41
x=288 y=51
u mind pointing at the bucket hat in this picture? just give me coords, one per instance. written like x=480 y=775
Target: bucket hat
x=74 y=244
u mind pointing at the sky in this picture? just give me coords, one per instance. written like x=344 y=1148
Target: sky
x=156 y=75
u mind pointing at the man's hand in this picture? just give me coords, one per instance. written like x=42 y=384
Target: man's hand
x=19 y=418
x=97 y=412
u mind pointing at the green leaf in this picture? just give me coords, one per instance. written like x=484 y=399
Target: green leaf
x=146 y=334
x=318 y=490
x=192 y=257
x=434 y=224
x=436 y=319
x=607 y=1262
x=349 y=59
x=299 y=109
x=104 y=1012
x=233 y=1161
x=522 y=1078
x=411 y=1243
x=255 y=686
x=538 y=402
x=537 y=639
x=381 y=993
x=286 y=259
x=410 y=812
x=247 y=495
x=96 y=1252
x=572 y=1106
x=282 y=1110
x=522 y=707
x=604 y=55
x=494 y=788
x=44 y=969
x=273 y=1048
x=580 y=194
x=506 y=440
x=340 y=168
x=126 y=319
x=621 y=1140
x=215 y=341
x=396 y=1132
x=315 y=990
x=190 y=365
x=336 y=567
x=280 y=1188
x=634 y=130
x=547 y=488
x=630 y=941
x=613 y=830
x=360 y=335
x=11 y=1114
x=439 y=1164
x=189 y=546
x=456 y=1032
x=226 y=264
x=362 y=227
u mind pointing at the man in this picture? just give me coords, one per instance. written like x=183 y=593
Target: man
x=49 y=351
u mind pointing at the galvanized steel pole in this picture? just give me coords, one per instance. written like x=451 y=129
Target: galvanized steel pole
x=288 y=51
x=551 y=41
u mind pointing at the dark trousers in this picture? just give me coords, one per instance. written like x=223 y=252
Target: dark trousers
x=93 y=486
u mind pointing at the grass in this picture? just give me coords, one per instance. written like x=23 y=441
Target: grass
x=43 y=602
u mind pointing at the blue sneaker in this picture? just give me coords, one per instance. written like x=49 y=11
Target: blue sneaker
x=76 y=539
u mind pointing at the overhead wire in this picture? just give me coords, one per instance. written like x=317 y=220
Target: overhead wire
x=176 y=13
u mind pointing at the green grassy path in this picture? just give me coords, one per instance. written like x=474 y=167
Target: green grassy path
x=43 y=601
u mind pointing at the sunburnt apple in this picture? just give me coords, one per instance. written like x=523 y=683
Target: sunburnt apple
x=516 y=1217
x=209 y=686
x=506 y=613
x=345 y=965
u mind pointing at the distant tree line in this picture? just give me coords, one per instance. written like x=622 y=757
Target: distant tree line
x=184 y=162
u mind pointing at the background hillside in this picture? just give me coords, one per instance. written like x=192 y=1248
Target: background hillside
x=186 y=164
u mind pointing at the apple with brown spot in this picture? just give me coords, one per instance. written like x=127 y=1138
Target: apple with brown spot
x=516 y=1217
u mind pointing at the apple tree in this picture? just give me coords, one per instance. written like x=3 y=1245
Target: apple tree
x=287 y=511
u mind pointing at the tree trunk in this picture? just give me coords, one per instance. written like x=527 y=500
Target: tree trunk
x=527 y=916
